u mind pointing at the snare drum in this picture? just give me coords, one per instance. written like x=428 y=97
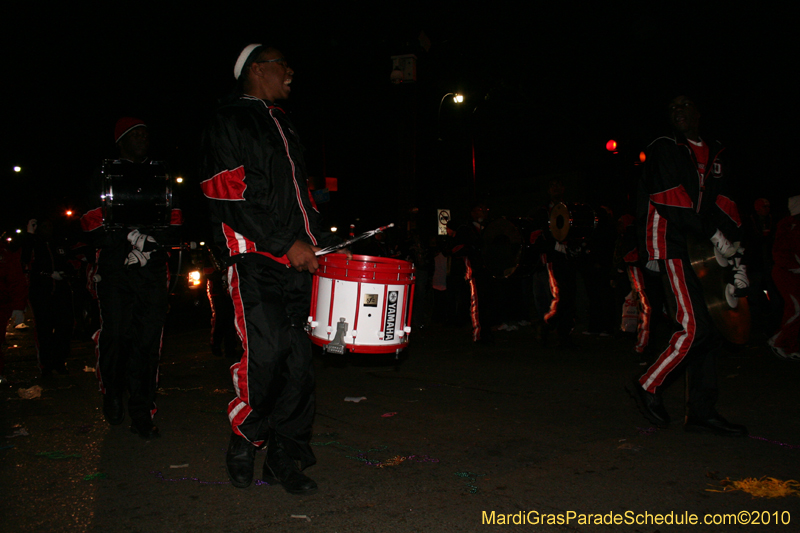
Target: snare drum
x=572 y=222
x=135 y=195
x=362 y=304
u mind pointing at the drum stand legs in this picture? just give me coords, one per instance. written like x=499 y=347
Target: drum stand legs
x=337 y=344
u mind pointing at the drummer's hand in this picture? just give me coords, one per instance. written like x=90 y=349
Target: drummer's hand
x=301 y=256
x=347 y=252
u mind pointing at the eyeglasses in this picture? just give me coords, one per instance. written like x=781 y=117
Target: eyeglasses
x=281 y=60
x=682 y=105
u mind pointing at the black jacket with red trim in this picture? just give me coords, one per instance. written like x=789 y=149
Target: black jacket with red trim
x=256 y=182
x=675 y=201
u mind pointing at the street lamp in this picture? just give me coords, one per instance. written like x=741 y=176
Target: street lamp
x=457 y=98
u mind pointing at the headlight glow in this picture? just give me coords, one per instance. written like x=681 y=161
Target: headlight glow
x=194 y=278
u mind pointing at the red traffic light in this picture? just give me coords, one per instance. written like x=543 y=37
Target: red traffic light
x=611 y=145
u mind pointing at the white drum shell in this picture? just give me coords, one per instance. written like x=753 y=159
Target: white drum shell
x=374 y=312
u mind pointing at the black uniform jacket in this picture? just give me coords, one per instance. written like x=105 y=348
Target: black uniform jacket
x=676 y=201
x=256 y=182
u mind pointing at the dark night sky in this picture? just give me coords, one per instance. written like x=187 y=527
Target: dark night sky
x=545 y=89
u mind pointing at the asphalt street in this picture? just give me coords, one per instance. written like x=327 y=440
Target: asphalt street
x=453 y=437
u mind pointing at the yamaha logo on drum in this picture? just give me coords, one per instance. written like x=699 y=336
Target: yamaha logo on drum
x=391 y=317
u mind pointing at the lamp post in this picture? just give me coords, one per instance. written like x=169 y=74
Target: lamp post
x=457 y=98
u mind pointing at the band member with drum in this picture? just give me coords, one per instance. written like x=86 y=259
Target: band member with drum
x=683 y=193
x=256 y=182
x=562 y=276
x=131 y=282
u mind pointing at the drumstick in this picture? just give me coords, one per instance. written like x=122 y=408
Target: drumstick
x=347 y=243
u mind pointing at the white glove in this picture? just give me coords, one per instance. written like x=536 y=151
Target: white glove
x=140 y=241
x=18 y=316
x=58 y=276
x=653 y=266
x=740 y=277
x=32 y=223
x=795 y=270
x=137 y=258
x=561 y=247
x=723 y=245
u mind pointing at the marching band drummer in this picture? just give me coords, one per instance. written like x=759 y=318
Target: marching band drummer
x=562 y=277
x=683 y=192
x=256 y=182
x=131 y=282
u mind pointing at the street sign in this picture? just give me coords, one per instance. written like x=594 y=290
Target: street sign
x=444 y=218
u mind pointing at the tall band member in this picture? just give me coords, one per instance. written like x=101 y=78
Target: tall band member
x=256 y=183
x=467 y=248
x=131 y=282
x=562 y=276
x=683 y=192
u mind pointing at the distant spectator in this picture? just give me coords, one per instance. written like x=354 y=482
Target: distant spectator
x=45 y=252
x=13 y=294
x=786 y=274
x=766 y=305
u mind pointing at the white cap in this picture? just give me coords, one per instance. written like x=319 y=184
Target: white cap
x=237 y=69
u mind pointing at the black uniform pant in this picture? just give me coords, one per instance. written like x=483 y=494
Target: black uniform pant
x=223 y=330
x=133 y=309
x=274 y=380
x=694 y=345
x=563 y=287
x=51 y=302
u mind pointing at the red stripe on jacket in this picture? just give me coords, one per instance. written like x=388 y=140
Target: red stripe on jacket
x=239 y=244
x=294 y=179
x=674 y=197
x=227 y=185
x=91 y=220
x=728 y=207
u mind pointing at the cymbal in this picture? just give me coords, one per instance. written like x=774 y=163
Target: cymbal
x=559 y=222
x=731 y=315
x=575 y=222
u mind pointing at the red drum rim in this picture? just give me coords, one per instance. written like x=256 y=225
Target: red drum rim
x=366 y=267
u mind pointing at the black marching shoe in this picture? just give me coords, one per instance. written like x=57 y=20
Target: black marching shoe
x=649 y=404
x=239 y=461
x=280 y=468
x=714 y=424
x=144 y=427
x=113 y=409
